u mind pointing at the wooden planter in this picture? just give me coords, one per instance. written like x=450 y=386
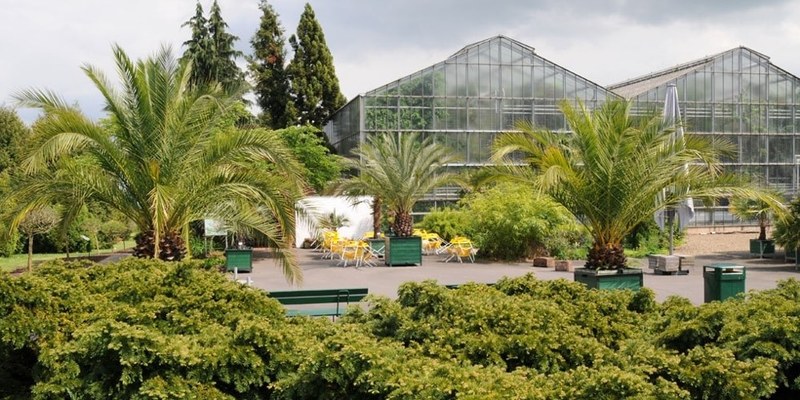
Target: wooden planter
x=403 y=251
x=762 y=248
x=630 y=278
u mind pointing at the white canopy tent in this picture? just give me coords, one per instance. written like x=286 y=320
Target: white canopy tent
x=359 y=216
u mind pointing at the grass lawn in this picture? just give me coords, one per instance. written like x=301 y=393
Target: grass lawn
x=8 y=264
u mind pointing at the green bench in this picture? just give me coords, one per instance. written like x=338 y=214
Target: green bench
x=340 y=297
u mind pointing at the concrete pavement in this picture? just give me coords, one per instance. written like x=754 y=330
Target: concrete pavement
x=325 y=274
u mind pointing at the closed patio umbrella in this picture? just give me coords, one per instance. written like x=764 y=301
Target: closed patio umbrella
x=685 y=210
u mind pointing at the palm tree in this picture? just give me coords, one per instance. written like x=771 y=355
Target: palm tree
x=398 y=169
x=613 y=171
x=164 y=159
x=746 y=208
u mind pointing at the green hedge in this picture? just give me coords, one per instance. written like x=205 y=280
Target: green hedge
x=148 y=329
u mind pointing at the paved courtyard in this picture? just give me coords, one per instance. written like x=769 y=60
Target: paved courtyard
x=325 y=274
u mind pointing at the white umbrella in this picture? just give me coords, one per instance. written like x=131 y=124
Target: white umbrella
x=685 y=210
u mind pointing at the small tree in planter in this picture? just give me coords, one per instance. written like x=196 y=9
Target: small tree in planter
x=746 y=209
x=399 y=169
x=612 y=170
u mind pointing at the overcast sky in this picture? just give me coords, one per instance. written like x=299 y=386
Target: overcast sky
x=43 y=43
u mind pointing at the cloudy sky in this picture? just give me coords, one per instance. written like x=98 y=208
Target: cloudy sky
x=43 y=43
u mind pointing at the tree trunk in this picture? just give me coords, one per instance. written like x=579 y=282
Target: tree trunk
x=403 y=224
x=762 y=231
x=376 y=217
x=30 y=252
x=609 y=256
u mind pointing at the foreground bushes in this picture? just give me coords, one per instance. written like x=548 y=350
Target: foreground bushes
x=146 y=329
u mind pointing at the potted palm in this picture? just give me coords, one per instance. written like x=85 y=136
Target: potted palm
x=747 y=209
x=399 y=169
x=612 y=172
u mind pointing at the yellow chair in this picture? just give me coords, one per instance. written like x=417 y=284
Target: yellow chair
x=431 y=242
x=329 y=239
x=351 y=252
x=461 y=248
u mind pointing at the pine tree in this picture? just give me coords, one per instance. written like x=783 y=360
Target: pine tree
x=225 y=70
x=211 y=50
x=268 y=72
x=198 y=49
x=314 y=83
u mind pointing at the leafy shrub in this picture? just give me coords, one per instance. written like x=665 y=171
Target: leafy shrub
x=447 y=222
x=148 y=329
x=140 y=329
x=510 y=222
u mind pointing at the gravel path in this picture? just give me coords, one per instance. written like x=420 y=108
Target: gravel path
x=698 y=244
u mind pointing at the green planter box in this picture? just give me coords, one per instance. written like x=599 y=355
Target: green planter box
x=377 y=245
x=403 y=251
x=723 y=280
x=630 y=278
x=762 y=248
x=242 y=259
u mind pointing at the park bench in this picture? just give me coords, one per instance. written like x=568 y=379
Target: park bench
x=340 y=297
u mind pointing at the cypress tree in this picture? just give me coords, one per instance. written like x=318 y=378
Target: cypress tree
x=315 y=86
x=198 y=49
x=225 y=70
x=268 y=72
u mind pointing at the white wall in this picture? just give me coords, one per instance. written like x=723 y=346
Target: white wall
x=315 y=207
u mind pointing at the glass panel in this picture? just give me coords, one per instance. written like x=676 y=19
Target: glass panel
x=754 y=118
x=781 y=177
x=527 y=82
x=461 y=76
x=780 y=149
x=451 y=80
x=473 y=80
x=753 y=149
x=517 y=81
x=485 y=79
x=780 y=119
x=724 y=118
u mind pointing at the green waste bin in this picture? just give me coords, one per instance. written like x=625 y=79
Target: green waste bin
x=241 y=259
x=723 y=280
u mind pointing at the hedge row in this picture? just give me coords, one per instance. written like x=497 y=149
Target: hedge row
x=147 y=329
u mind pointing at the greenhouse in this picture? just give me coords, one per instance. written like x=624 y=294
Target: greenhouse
x=486 y=87
x=464 y=101
x=738 y=96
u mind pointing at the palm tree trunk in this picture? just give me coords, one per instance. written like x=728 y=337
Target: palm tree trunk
x=403 y=224
x=606 y=256
x=376 y=217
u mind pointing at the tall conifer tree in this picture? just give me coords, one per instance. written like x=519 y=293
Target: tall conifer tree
x=315 y=86
x=211 y=50
x=225 y=70
x=199 y=50
x=268 y=71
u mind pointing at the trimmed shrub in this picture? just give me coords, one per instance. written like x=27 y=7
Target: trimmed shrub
x=510 y=222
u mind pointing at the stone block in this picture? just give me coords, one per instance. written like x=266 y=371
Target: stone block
x=564 y=265
x=546 y=262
